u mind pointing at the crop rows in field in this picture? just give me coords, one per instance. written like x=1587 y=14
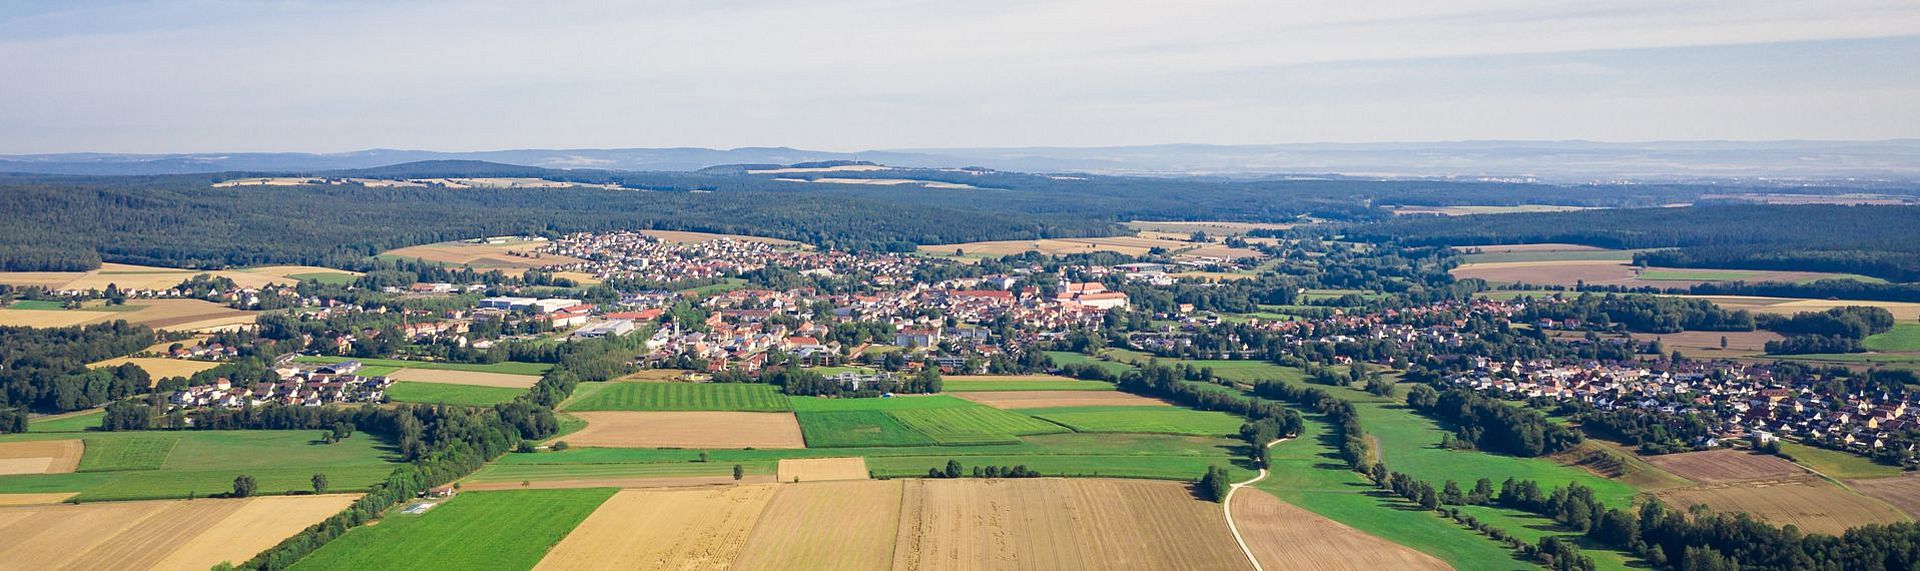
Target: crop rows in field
x=641 y=396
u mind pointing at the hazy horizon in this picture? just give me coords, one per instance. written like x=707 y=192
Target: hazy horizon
x=219 y=76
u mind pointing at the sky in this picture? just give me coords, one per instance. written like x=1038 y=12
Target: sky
x=847 y=75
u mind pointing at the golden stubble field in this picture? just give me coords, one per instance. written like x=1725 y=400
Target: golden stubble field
x=158 y=367
x=510 y=255
x=171 y=534
x=681 y=429
x=41 y=456
x=821 y=469
x=1041 y=523
x=170 y=314
x=1283 y=536
x=130 y=276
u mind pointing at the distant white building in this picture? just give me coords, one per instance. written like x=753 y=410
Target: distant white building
x=608 y=328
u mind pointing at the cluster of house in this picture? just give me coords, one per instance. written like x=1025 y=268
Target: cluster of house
x=299 y=385
x=634 y=255
x=1741 y=400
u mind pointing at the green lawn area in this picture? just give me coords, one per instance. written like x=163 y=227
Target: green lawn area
x=1064 y=358
x=67 y=423
x=474 y=530
x=37 y=304
x=329 y=278
x=159 y=464
x=443 y=393
x=1837 y=464
x=969 y=425
x=1073 y=385
x=1903 y=337
x=377 y=371
x=1142 y=419
x=683 y=396
x=507 y=367
x=847 y=428
x=725 y=286
x=1155 y=456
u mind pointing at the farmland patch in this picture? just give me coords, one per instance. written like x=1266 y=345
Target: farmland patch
x=475 y=530
x=1142 y=419
x=156 y=534
x=683 y=397
x=1060 y=524
x=40 y=456
x=1052 y=399
x=475 y=378
x=822 y=469
x=1721 y=466
x=1283 y=536
x=826 y=525
x=1813 y=504
x=688 y=429
x=845 y=428
x=686 y=529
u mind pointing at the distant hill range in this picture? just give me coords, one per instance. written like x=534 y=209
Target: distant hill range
x=1752 y=163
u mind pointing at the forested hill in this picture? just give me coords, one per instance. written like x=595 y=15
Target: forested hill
x=55 y=222
x=1870 y=240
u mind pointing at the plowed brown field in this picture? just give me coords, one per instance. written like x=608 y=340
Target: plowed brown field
x=41 y=456
x=155 y=535
x=1901 y=491
x=826 y=525
x=1718 y=466
x=664 y=529
x=1286 y=537
x=677 y=429
x=822 y=469
x=1813 y=504
x=1048 y=399
x=1060 y=524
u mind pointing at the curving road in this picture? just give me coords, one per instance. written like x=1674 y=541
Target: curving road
x=1235 y=528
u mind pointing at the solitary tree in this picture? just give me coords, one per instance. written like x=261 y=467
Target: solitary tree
x=243 y=486
x=703 y=456
x=319 y=483
x=739 y=471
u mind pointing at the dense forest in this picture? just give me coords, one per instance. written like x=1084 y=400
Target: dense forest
x=75 y=222
x=45 y=369
x=1868 y=240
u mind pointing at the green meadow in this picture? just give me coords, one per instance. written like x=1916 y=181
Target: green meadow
x=156 y=464
x=475 y=530
x=1141 y=419
x=680 y=396
x=443 y=393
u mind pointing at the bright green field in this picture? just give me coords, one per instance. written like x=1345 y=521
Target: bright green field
x=847 y=428
x=975 y=424
x=1903 y=337
x=1152 y=456
x=975 y=386
x=443 y=393
x=329 y=278
x=37 y=304
x=506 y=367
x=474 y=530
x=1837 y=464
x=75 y=423
x=155 y=464
x=816 y=404
x=1064 y=358
x=683 y=396
x=1142 y=419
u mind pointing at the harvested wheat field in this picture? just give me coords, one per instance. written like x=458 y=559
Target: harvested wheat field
x=822 y=469
x=1813 y=504
x=1050 y=399
x=679 y=429
x=160 y=368
x=1048 y=523
x=502 y=380
x=1901 y=492
x=623 y=483
x=41 y=456
x=129 y=276
x=826 y=525
x=701 y=528
x=53 y=317
x=1904 y=311
x=184 y=314
x=1696 y=341
x=1721 y=466
x=1286 y=537
x=169 y=534
x=508 y=255
x=35 y=499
